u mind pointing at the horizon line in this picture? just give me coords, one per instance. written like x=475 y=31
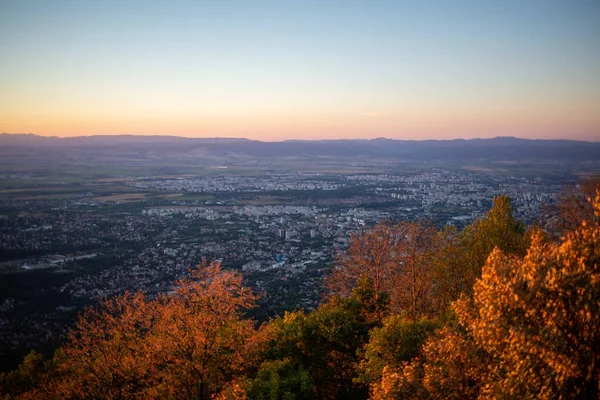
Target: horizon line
x=174 y=136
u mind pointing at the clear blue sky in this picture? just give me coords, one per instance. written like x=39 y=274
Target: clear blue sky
x=301 y=69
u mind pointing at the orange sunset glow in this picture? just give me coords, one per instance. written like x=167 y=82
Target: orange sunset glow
x=307 y=70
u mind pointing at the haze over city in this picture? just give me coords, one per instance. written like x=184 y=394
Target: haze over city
x=276 y=70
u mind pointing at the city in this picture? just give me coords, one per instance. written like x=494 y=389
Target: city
x=283 y=230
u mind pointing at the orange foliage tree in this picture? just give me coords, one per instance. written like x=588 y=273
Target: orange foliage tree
x=451 y=366
x=108 y=354
x=201 y=336
x=187 y=344
x=398 y=259
x=531 y=330
x=571 y=209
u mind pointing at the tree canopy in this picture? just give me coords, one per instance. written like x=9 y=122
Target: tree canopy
x=530 y=330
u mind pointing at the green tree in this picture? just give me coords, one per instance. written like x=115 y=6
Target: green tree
x=497 y=229
x=397 y=341
x=280 y=380
x=325 y=342
x=451 y=274
x=26 y=377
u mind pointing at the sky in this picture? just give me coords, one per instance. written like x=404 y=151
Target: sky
x=301 y=69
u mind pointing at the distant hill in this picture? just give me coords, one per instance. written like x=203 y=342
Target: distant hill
x=500 y=148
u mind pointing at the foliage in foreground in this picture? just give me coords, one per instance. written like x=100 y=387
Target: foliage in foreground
x=189 y=344
x=423 y=269
x=415 y=312
x=531 y=329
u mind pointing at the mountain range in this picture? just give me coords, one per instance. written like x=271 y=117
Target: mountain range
x=499 y=148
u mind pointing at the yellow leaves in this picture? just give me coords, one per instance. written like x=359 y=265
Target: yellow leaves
x=235 y=390
x=450 y=368
x=534 y=315
x=596 y=203
x=531 y=330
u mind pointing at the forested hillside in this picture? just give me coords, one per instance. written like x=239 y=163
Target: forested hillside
x=496 y=310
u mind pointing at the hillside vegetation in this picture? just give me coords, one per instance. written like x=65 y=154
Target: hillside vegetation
x=409 y=311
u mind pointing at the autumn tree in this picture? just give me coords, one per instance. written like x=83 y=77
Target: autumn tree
x=422 y=268
x=369 y=254
x=449 y=366
x=399 y=261
x=571 y=208
x=539 y=317
x=107 y=355
x=415 y=250
x=188 y=344
x=531 y=330
x=201 y=336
